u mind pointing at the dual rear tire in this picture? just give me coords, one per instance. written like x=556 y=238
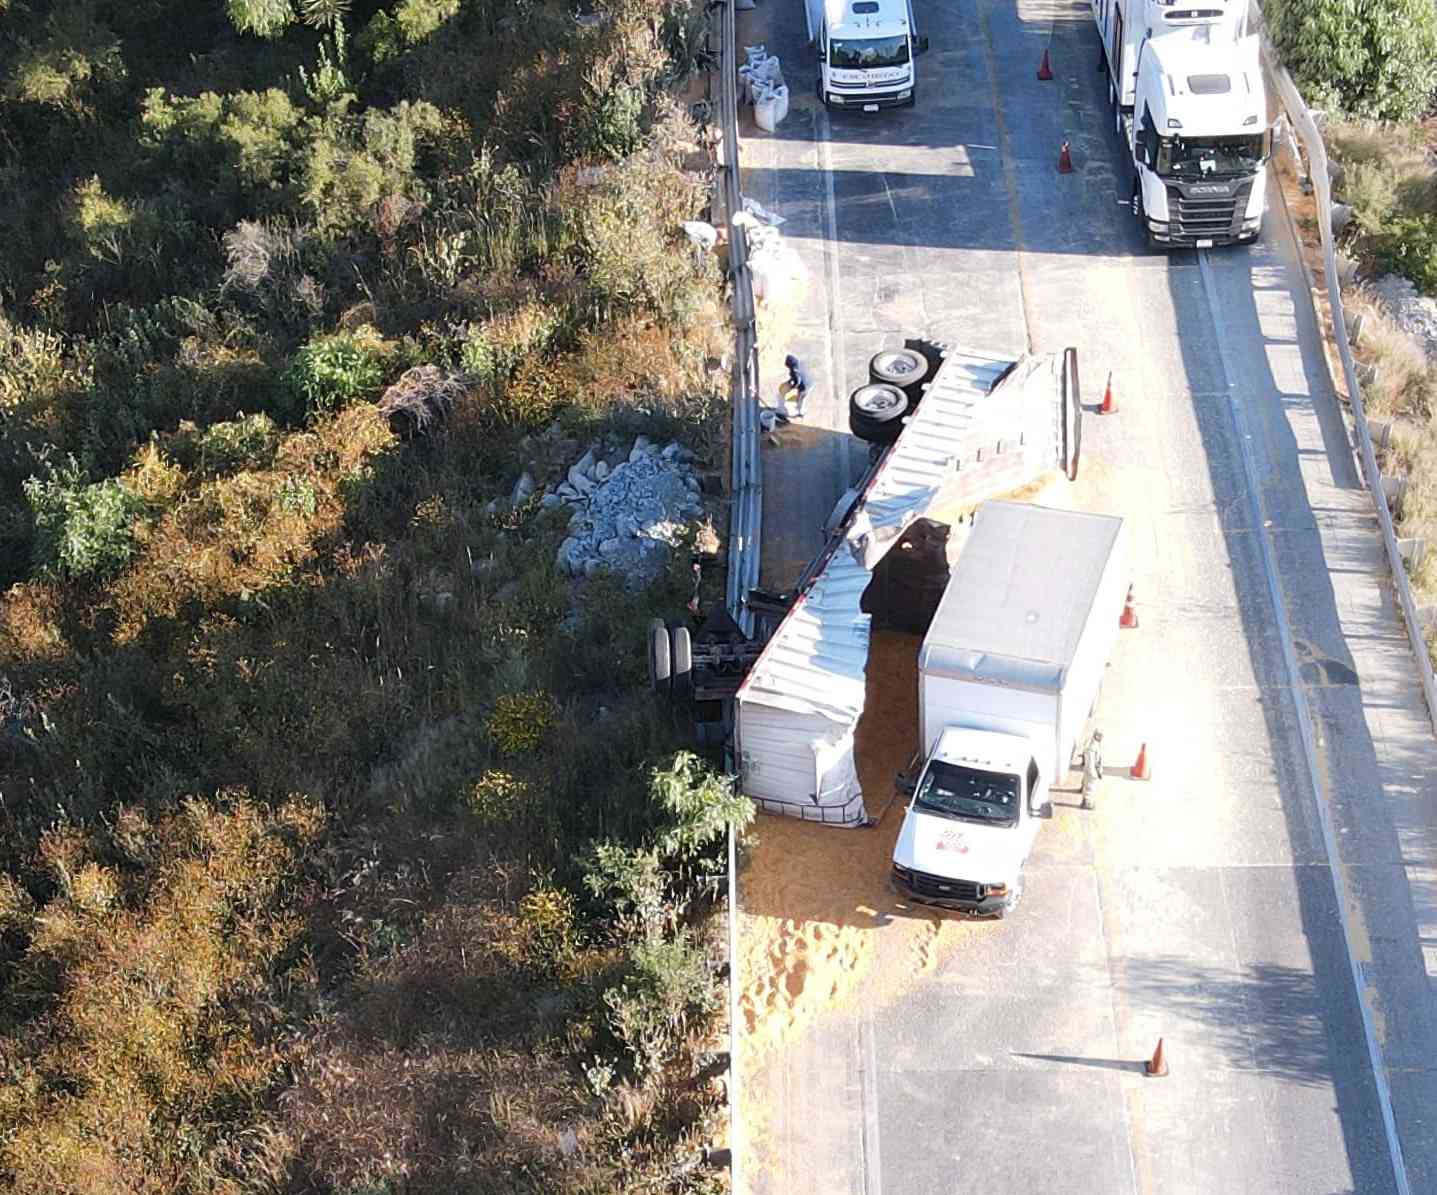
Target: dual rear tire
x=671 y=661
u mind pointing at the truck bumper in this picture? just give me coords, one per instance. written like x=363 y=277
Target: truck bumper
x=1161 y=234
x=942 y=893
x=903 y=98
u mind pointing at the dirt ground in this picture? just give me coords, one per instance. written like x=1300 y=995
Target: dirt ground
x=813 y=897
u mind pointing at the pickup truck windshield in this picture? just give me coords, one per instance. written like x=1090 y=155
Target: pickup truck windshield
x=861 y=53
x=968 y=793
x=1210 y=157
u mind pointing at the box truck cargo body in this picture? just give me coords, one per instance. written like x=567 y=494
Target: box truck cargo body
x=1009 y=675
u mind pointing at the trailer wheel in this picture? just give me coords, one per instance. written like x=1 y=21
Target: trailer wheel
x=659 y=661
x=682 y=664
x=898 y=367
x=875 y=412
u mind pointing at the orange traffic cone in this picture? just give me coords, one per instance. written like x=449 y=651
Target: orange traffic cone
x=1045 y=72
x=1065 y=160
x=1110 y=404
x=1140 y=768
x=1128 y=620
x=1157 y=1066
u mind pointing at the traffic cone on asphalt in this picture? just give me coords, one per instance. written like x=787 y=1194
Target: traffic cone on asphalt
x=1065 y=160
x=1128 y=620
x=1045 y=72
x=1140 y=768
x=1109 y=404
x=1156 y=1066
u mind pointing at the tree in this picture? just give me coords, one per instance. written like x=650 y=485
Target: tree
x=1375 y=58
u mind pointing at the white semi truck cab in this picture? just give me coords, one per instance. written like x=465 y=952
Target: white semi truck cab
x=1008 y=678
x=1200 y=141
x=866 y=51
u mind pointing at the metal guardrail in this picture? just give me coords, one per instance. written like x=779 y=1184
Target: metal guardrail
x=746 y=482
x=1306 y=128
x=745 y=494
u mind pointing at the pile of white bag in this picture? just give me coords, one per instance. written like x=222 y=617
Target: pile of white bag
x=761 y=84
x=772 y=265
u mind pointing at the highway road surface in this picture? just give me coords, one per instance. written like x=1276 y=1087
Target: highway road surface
x=1267 y=903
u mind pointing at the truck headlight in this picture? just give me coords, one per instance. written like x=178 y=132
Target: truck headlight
x=903 y=95
x=835 y=99
x=997 y=890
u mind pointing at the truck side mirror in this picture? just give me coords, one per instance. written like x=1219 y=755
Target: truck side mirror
x=923 y=45
x=906 y=783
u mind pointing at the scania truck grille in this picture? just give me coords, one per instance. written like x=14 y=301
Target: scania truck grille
x=1194 y=217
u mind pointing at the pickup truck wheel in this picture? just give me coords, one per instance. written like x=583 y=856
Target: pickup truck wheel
x=659 y=660
x=682 y=664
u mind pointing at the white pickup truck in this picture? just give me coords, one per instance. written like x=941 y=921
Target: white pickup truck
x=1009 y=675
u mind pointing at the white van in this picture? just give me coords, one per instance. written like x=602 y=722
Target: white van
x=866 y=50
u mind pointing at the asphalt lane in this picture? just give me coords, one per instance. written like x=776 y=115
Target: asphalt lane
x=1199 y=906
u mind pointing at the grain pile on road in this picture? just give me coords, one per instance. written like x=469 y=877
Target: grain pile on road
x=815 y=898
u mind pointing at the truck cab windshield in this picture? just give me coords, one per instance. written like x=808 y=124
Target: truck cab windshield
x=1210 y=157
x=969 y=793
x=862 y=53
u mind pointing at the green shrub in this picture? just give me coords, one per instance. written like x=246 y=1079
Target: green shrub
x=1374 y=57
x=248 y=442
x=352 y=162
x=668 y=991
x=81 y=530
x=1409 y=247
x=388 y=35
x=297 y=496
x=331 y=372
x=237 y=152
x=520 y=722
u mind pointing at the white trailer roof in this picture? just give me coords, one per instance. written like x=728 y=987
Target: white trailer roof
x=1020 y=595
x=817 y=659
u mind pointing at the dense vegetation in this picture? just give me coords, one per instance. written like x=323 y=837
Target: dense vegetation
x=340 y=848
x=1372 y=58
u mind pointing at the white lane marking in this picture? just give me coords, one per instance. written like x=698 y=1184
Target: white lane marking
x=1304 y=724
x=833 y=325
x=868 y=1072
x=839 y=445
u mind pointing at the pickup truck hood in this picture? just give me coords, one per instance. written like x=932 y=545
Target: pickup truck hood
x=960 y=850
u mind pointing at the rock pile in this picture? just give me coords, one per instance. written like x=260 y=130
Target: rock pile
x=1412 y=312
x=627 y=514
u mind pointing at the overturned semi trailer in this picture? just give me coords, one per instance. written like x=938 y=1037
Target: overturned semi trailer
x=985 y=426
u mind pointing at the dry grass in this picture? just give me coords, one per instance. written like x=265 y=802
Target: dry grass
x=1406 y=382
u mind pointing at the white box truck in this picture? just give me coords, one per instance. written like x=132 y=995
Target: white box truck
x=866 y=51
x=1008 y=677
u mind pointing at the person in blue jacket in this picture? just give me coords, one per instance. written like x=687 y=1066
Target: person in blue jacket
x=794 y=387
